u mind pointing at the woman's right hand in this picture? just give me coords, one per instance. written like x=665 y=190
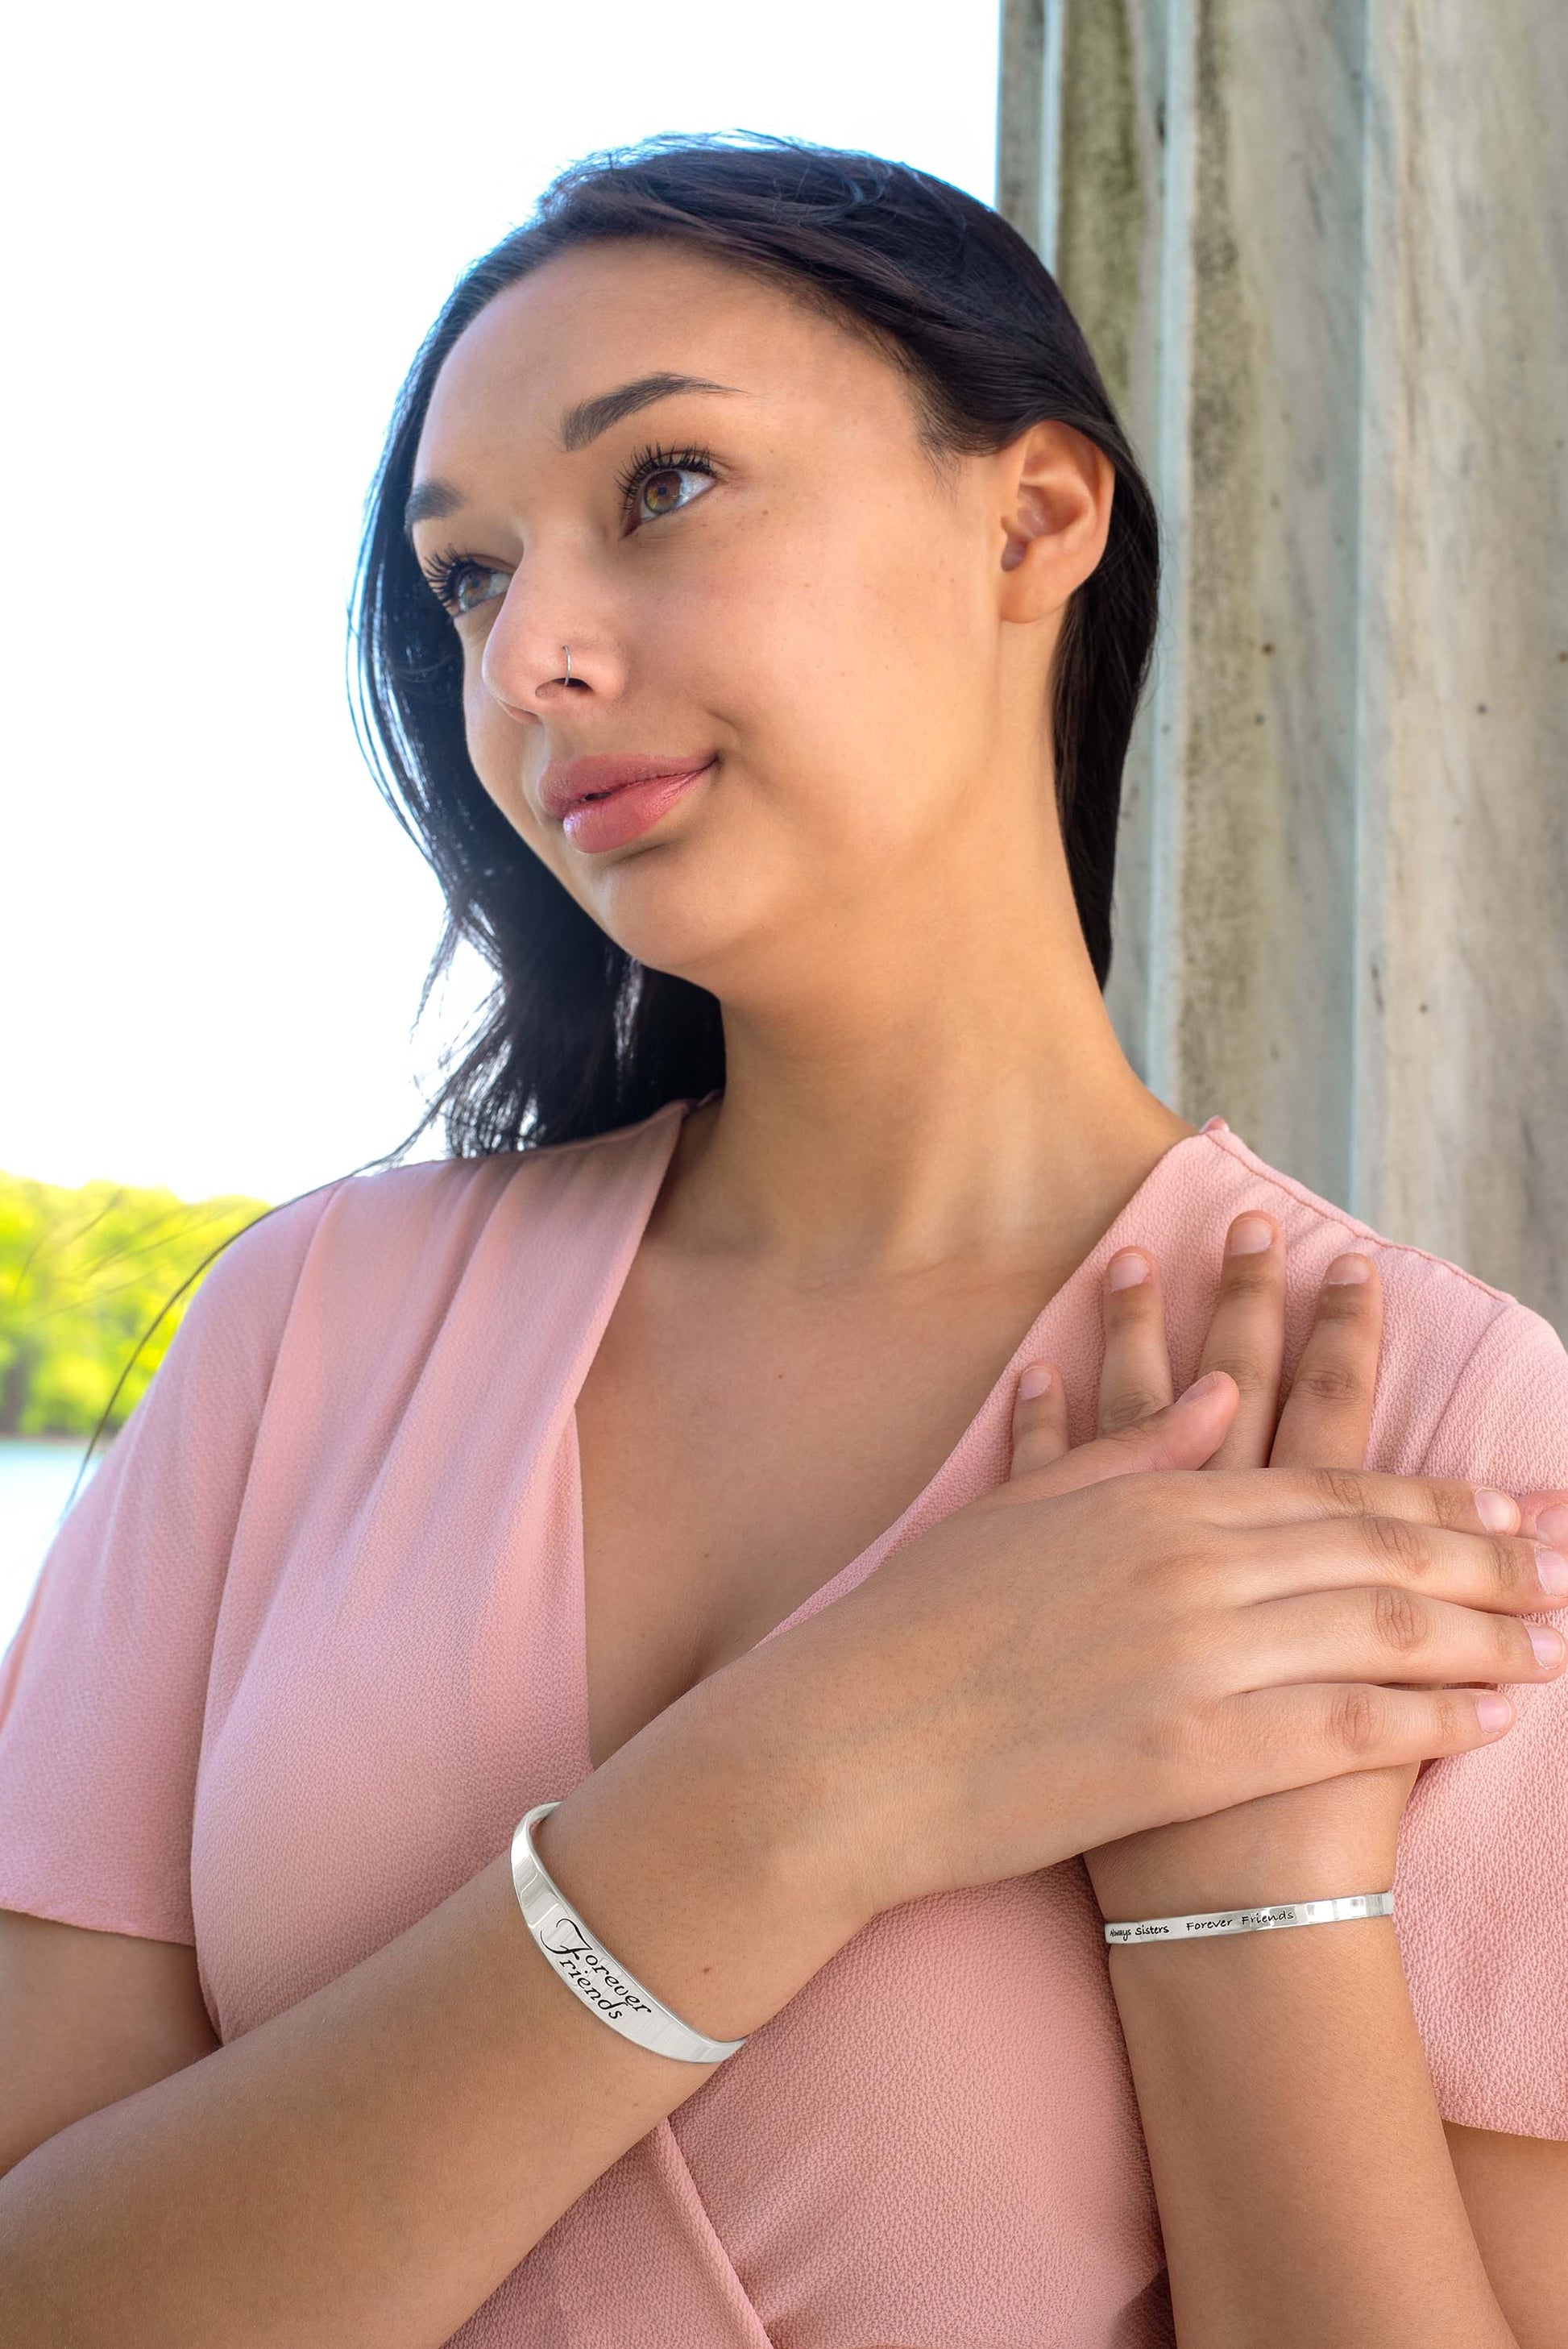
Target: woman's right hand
x=1117 y=1641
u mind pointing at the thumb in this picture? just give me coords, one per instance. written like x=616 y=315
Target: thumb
x=1185 y=1434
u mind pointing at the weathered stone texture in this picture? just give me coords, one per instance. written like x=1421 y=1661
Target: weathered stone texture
x=1323 y=253
x=1462 y=1128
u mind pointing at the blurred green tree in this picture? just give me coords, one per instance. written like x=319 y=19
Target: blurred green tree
x=84 y=1275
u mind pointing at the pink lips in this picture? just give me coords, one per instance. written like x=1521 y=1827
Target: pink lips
x=602 y=802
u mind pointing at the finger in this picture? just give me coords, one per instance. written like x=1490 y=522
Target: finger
x=1545 y=1515
x=1394 y=1636
x=1246 y=1337
x=1135 y=1379
x=1327 y=1420
x=1509 y=1574
x=1300 y=1736
x=1183 y=1436
x=1290 y=1495
x=1040 y=1419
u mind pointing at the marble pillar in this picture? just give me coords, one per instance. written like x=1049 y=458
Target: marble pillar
x=1321 y=253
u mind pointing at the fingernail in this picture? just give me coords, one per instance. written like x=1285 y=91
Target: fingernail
x=1036 y=1381
x=1554 y=1523
x=1126 y=1271
x=1345 y=1269
x=1249 y=1237
x=1201 y=1387
x=1497 y=1513
x=1547 y=1643
x=1493 y=1711
x=1213 y=1126
x=1551 y=1571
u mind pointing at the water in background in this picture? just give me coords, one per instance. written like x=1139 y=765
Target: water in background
x=35 y=1479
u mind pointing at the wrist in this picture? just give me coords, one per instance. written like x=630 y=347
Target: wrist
x=1190 y=1892
x=1217 y=1975
x=1179 y=1872
x=700 y=1870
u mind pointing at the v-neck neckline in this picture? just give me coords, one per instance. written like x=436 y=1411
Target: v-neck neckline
x=662 y=1131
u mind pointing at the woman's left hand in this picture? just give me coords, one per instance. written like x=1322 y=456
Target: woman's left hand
x=1313 y=1842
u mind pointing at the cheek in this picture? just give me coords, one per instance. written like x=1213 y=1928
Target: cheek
x=499 y=751
x=495 y=747
x=844 y=660
x=490 y=732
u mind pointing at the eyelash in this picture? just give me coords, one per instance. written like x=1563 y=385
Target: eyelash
x=443 y=571
x=657 y=459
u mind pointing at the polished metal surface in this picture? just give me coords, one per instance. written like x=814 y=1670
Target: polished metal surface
x=1207 y=1926
x=587 y=1968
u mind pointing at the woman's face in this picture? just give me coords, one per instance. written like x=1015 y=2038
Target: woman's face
x=764 y=583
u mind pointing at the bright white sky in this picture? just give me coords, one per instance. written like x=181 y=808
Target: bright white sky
x=234 y=226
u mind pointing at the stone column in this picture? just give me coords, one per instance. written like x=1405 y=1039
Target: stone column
x=1321 y=253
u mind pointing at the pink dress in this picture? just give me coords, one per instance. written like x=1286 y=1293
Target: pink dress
x=312 y=1641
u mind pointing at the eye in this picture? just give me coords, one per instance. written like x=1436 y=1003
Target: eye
x=664 y=492
x=461 y=584
x=660 y=481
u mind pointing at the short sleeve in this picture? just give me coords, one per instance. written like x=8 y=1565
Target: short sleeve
x=103 y=1689
x=1481 y=1893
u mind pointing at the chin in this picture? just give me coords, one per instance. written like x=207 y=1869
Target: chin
x=658 y=911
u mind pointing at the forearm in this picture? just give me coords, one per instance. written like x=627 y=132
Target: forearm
x=1305 y=2191
x=367 y=2168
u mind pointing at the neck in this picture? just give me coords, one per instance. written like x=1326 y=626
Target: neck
x=964 y=1106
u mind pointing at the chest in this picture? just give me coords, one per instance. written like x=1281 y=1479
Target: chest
x=398 y=1675
x=738 y=1448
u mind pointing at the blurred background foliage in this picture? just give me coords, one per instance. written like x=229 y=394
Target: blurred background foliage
x=84 y=1274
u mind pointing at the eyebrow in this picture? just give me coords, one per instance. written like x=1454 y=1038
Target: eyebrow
x=581 y=425
x=584 y=423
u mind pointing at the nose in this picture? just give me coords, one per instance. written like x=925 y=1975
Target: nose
x=536 y=657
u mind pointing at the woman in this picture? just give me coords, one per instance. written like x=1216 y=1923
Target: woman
x=743 y=519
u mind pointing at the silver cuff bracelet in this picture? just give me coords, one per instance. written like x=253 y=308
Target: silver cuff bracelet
x=588 y=1969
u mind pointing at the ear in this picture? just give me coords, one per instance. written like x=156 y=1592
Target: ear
x=1056 y=488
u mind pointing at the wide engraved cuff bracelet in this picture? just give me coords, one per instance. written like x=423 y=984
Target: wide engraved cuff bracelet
x=588 y=1969
x=1209 y=1926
